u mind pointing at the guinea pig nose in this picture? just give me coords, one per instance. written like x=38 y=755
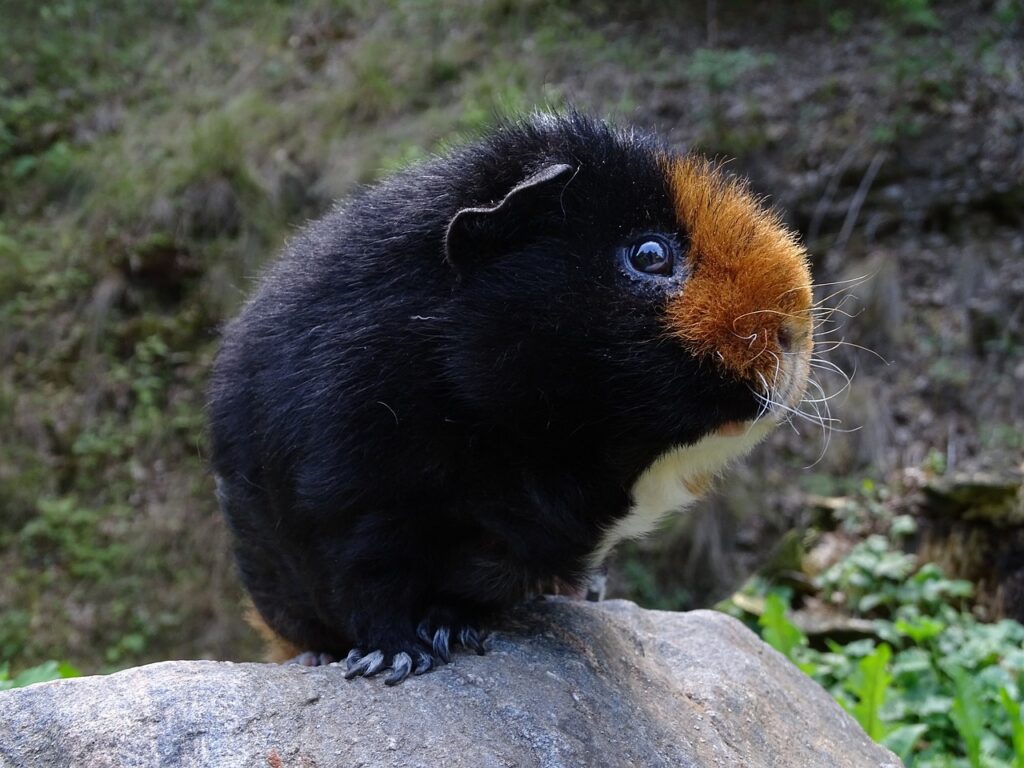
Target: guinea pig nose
x=792 y=334
x=784 y=335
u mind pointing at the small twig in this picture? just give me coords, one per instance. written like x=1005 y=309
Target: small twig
x=830 y=192
x=950 y=447
x=855 y=205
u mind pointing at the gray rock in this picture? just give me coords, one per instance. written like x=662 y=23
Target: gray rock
x=564 y=684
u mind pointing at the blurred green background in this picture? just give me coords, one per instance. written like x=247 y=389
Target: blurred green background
x=154 y=155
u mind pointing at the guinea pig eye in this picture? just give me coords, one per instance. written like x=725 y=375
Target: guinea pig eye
x=651 y=257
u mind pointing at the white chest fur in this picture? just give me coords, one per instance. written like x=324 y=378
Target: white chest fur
x=675 y=480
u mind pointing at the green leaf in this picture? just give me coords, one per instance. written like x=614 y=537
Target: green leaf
x=68 y=670
x=912 y=662
x=778 y=631
x=901 y=740
x=934 y=704
x=869 y=684
x=23 y=166
x=903 y=525
x=921 y=630
x=48 y=670
x=968 y=715
x=1012 y=708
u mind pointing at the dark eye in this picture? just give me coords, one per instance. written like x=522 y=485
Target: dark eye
x=651 y=257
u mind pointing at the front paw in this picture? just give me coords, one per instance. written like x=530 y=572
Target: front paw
x=401 y=664
x=435 y=638
x=440 y=635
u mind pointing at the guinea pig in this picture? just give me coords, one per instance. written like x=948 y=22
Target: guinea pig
x=478 y=375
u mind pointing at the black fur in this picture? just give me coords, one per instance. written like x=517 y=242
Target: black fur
x=409 y=434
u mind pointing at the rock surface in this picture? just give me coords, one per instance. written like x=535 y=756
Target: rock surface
x=564 y=684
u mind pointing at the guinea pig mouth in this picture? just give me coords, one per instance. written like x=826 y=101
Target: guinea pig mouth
x=782 y=393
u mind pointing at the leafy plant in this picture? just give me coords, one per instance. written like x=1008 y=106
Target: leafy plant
x=937 y=687
x=48 y=670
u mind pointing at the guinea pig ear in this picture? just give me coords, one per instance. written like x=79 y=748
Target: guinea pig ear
x=474 y=231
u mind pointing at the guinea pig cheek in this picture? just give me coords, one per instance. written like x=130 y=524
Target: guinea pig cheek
x=747 y=305
x=745 y=326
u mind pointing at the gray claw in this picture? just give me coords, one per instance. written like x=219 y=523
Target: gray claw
x=470 y=639
x=352 y=659
x=401 y=666
x=370 y=664
x=440 y=644
x=424 y=662
x=423 y=632
x=375 y=663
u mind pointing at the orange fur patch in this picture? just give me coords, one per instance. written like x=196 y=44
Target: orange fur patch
x=750 y=278
x=276 y=648
x=700 y=484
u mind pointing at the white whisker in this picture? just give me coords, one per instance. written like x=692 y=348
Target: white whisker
x=822 y=334
x=804 y=286
x=830 y=367
x=843 y=343
x=824 y=397
x=851 y=284
x=842 y=312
